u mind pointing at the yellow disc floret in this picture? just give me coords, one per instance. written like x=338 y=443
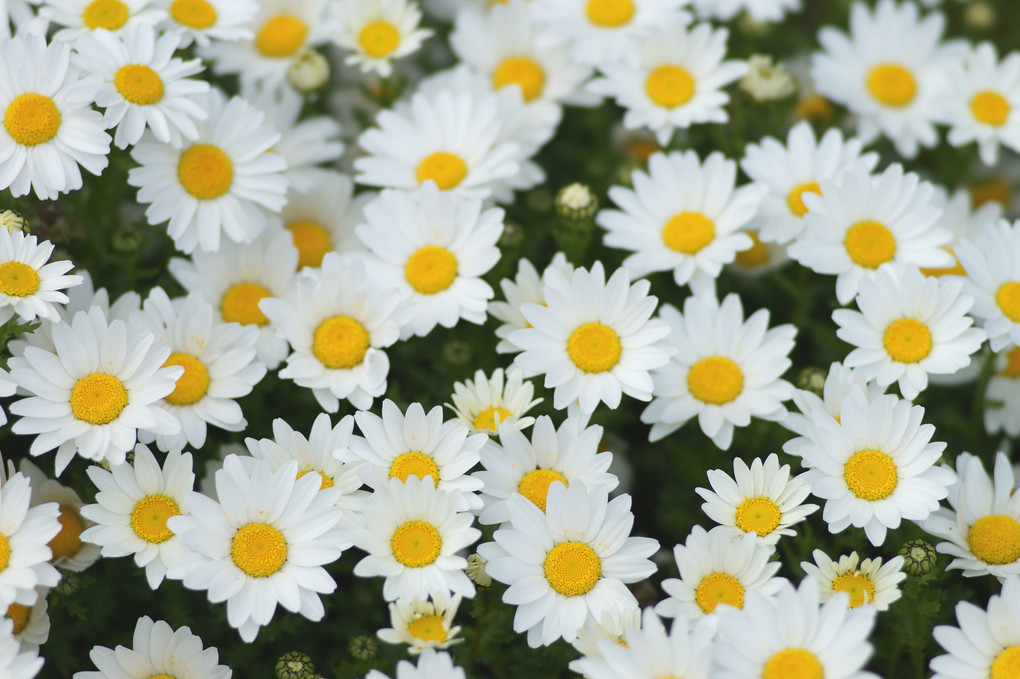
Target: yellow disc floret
x=795 y=198
x=718 y=588
x=5 y=552
x=1008 y=299
x=67 y=542
x=312 y=241
x=1007 y=664
x=205 y=171
x=759 y=514
x=990 y=108
x=535 y=485
x=18 y=279
x=197 y=14
x=793 y=663
x=259 y=549
x=594 y=347
x=993 y=191
x=32 y=119
x=431 y=269
x=995 y=539
x=149 y=517
x=138 y=84
x=870 y=474
x=669 y=86
x=414 y=463
x=487 y=418
x=108 y=14
x=340 y=342
x=716 y=380
x=240 y=304
x=98 y=398
x=869 y=244
x=610 y=13
x=688 y=232
x=281 y=36
x=1012 y=368
x=447 y=170
x=379 y=38
x=19 y=614
x=907 y=340
x=324 y=481
x=892 y=85
x=859 y=586
x=572 y=568
x=193 y=384
x=416 y=544
x=521 y=71
x=428 y=628
x=754 y=256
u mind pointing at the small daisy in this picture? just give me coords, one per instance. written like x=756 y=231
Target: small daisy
x=158 y=650
x=31 y=623
x=226 y=181
x=677 y=83
x=30 y=285
x=377 y=32
x=484 y=403
x=1002 y=397
x=614 y=628
x=568 y=455
x=70 y=550
x=725 y=370
x=24 y=534
x=322 y=218
x=758 y=259
x=868 y=582
x=202 y=21
x=875 y=466
x=839 y=381
x=909 y=326
x=759 y=10
x=431 y=665
x=692 y=230
x=94 y=391
x=264 y=543
x=423 y=624
x=797 y=167
x=717 y=567
x=133 y=505
x=568 y=564
x=964 y=220
x=993 y=280
x=81 y=17
x=16 y=660
x=526 y=287
x=761 y=499
x=414 y=535
x=595 y=339
x=434 y=247
x=864 y=221
x=49 y=126
x=985 y=104
x=984 y=643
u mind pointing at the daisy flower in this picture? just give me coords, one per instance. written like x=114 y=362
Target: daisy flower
x=677 y=83
x=337 y=322
x=30 y=285
x=322 y=218
x=909 y=326
x=226 y=181
x=431 y=665
x=568 y=564
x=17 y=662
x=724 y=371
x=568 y=455
x=133 y=506
x=868 y=582
x=717 y=567
x=49 y=126
x=758 y=259
x=70 y=550
x=158 y=649
x=264 y=543
x=433 y=247
x=484 y=403
x=24 y=534
x=984 y=643
x=693 y=230
x=839 y=381
x=595 y=339
x=81 y=17
x=964 y=220
x=414 y=534
x=1002 y=396
x=31 y=623
x=526 y=287
x=758 y=10
x=790 y=170
x=378 y=32
x=94 y=391
x=614 y=628
x=761 y=499
x=875 y=466
x=985 y=102
x=423 y=624
x=864 y=221
x=993 y=280
x=202 y=21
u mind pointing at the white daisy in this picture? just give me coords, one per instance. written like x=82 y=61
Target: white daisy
x=758 y=259
x=868 y=582
x=69 y=549
x=431 y=665
x=49 y=126
x=839 y=381
x=758 y=10
x=17 y=662
x=683 y=215
x=484 y=403
x=322 y=218
x=1002 y=396
x=993 y=280
x=24 y=534
x=526 y=287
x=30 y=285
x=725 y=370
x=31 y=623
x=201 y=21
x=377 y=32
x=983 y=643
x=80 y=17
x=226 y=181
x=614 y=628
x=423 y=624
x=985 y=102
x=964 y=220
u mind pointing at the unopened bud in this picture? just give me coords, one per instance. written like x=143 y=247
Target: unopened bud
x=979 y=15
x=295 y=665
x=576 y=202
x=12 y=221
x=476 y=570
x=812 y=379
x=918 y=557
x=765 y=80
x=363 y=647
x=309 y=70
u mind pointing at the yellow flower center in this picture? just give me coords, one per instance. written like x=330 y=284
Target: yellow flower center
x=870 y=474
x=205 y=171
x=860 y=588
x=193 y=384
x=813 y=107
x=431 y=269
x=688 y=232
x=32 y=119
x=428 y=628
x=414 y=463
x=197 y=14
x=719 y=588
x=892 y=85
x=19 y=614
x=869 y=244
x=610 y=13
x=447 y=170
x=759 y=514
x=324 y=481
x=520 y=71
x=572 y=568
x=98 y=398
x=754 y=256
x=281 y=36
x=379 y=38
x=1007 y=664
x=715 y=380
x=1012 y=368
x=416 y=544
x=907 y=340
x=990 y=108
x=312 y=241
x=669 y=86
x=594 y=347
x=995 y=539
x=138 y=84
x=240 y=304
x=258 y=549
x=149 y=517
x=955 y=270
x=487 y=418
x=108 y=14
x=795 y=199
x=793 y=663
x=67 y=542
x=18 y=279
x=1008 y=299
x=162 y=676
x=5 y=552
x=994 y=191
x=340 y=342
x=535 y=485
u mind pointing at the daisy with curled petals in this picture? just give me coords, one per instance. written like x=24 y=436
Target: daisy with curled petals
x=337 y=323
x=875 y=466
x=264 y=543
x=791 y=635
x=595 y=340
x=683 y=215
x=792 y=169
x=433 y=247
x=724 y=370
x=677 y=83
x=414 y=534
x=985 y=104
x=762 y=499
x=81 y=17
x=202 y=21
x=526 y=287
x=92 y=394
x=868 y=582
x=378 y=32
x=431 y=665
x=423 y=624
x=992 y=264
x=227 y=180
x=983 y=643
x=909 y=326
x=1002 y=397
x=24 y=534
x=30 y=285
x=486 y=402
x=158 y=651
x=568 y=455
x=863 y=221
x=133 y=505
x=322 y=218
x=568 y=564
x=16 y=661
x=71 y=551
x=49 y=128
